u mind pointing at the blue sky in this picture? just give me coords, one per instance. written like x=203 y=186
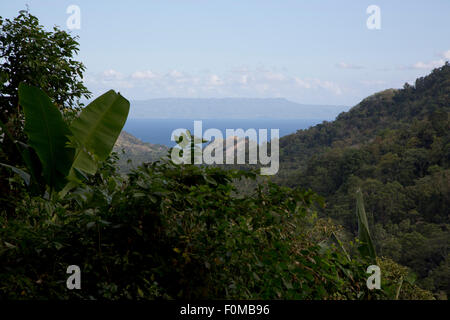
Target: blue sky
x=318 y=52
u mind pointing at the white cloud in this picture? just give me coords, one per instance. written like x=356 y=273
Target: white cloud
x=302 y=83
x=428 y=65
x=446 y=55
x=343 y=65
x=215 y=80
x=318 y=84
x=330 y=86
x=112 y=74
x=275 y=76
x=244 y=82
x=143 y=75
x=373 y=82
x=243 y=79
x=176 y=74
x=111 y=79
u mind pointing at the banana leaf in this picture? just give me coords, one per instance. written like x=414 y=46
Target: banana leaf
x=96 y=130
x=47 y=135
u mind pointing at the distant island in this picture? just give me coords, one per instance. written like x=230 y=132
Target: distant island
x=231 y=108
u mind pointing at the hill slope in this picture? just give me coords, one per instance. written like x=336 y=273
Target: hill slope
x=390 y=109
x=395 y=146
x=129 y=147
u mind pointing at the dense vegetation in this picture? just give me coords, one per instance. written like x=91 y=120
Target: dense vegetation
x=173 y=232
x=395 y=146
x=29 y=53
x=162 y=230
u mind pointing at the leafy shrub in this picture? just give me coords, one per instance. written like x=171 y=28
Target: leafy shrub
x=171 y=231
x=400 y=282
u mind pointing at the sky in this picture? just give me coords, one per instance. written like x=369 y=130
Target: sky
x=311 y=52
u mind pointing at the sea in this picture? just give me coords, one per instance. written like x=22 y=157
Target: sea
x=159 y=131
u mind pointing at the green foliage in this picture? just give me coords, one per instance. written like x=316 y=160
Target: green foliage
x=133 y=152
x=47 y=134
x=64 y=151
x=25 y=176
x=184 y=231
x=366 y=247
x=399 y=282
x=194 y=152
x=171 y=231
x=97 y=128
x=395 y=147
x=40 y=58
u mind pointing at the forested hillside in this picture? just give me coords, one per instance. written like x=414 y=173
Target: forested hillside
x=395 y=146
x=161 y=231
x=128 y=147
x=182 y=231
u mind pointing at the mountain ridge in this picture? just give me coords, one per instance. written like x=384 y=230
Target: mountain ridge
x=395 y=147
x=230 y=108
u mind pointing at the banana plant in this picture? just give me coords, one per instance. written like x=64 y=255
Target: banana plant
x=366 y=247
x=57 y=155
